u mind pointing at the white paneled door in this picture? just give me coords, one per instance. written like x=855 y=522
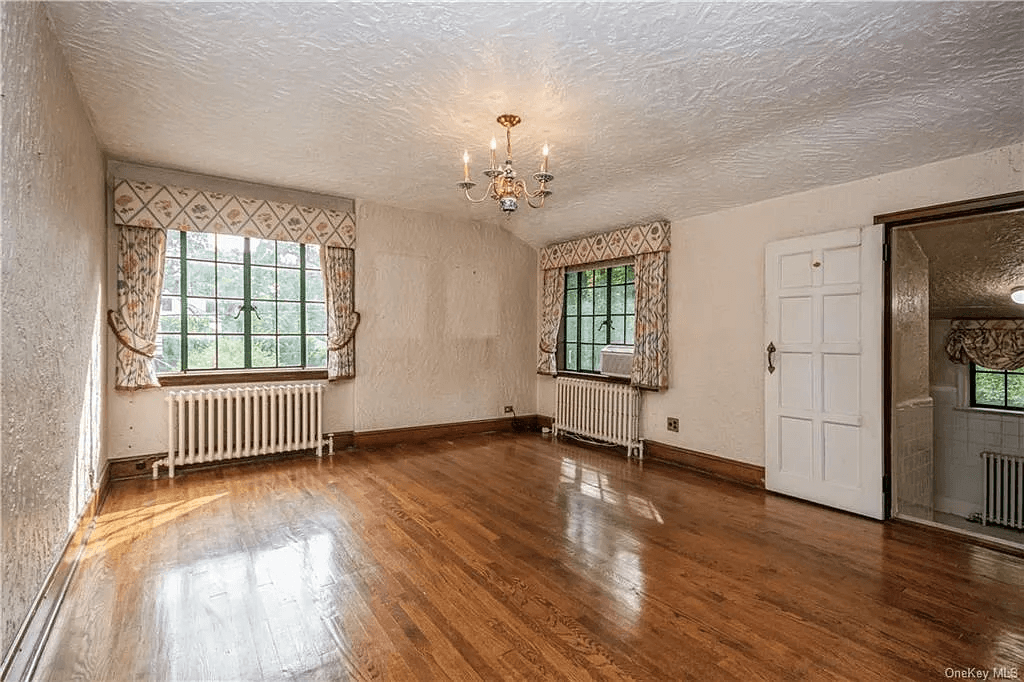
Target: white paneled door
x=823 y=369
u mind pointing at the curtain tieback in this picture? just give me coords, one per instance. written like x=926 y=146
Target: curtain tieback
x=127 y=337
x=348 y=332
x=544 y=348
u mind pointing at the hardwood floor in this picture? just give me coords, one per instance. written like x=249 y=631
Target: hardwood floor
x=511 y=557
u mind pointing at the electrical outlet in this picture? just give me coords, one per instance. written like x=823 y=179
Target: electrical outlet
x=673 y=424
x=508 y=409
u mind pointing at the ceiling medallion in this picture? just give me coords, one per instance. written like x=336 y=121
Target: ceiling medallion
x=504 y=187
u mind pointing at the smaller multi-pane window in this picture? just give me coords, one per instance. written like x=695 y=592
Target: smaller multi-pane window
x=598 y=311
x=233 y=302
x=997 y=388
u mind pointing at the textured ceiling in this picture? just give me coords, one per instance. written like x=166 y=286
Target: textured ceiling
x=973 y=265
x=651 y=110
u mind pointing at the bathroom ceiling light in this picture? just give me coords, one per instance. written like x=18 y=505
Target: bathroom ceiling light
x=1017 y=295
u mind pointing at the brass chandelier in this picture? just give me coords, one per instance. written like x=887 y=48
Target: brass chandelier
x=504 y=186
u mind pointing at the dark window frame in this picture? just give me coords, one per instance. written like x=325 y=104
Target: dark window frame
x=249 y=305
x=607 y=322
x=976 y=369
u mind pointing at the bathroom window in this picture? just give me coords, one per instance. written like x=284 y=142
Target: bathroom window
x=997 y=388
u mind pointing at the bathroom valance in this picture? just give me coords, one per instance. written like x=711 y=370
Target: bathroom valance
x=145 y=204
x=621 y=243
x=995 y=344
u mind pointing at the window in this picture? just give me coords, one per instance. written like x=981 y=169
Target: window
x=233 y=302
x=598 y=311
x=997 y=388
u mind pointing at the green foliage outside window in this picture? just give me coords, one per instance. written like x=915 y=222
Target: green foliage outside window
x=233 y=302
x=599 y=310
x=997 y=388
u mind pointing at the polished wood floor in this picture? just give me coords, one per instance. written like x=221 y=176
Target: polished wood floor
x=512 y=557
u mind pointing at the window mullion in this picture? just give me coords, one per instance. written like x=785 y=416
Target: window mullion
x=247 y=303
x=183 y=300
x=302 y=305
x=608 y=307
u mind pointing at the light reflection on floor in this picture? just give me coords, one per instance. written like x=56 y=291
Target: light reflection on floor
x=232 y=594
x=607 y=545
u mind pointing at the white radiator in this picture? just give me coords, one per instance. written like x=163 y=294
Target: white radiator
x=229 y=423
x=1004 y=489
x=599 y=410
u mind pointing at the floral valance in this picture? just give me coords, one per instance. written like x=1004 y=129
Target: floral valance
x=621 y=243
x=995 y=344
x=144 y=204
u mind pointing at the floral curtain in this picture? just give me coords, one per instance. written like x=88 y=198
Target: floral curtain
x=648 y=244
x=994 y=344
x=140 y=278
x=551 y=320
x=650 y=350
x=338 y=267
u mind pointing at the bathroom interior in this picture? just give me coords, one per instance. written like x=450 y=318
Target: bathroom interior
x=957 y=425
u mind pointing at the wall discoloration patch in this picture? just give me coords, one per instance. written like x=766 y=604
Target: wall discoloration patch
x=448 y=331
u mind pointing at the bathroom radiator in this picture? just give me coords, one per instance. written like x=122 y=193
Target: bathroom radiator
x=598 y=410
x=230 y=423
x=1004 y=489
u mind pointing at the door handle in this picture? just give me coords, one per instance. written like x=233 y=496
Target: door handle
x=771 y=352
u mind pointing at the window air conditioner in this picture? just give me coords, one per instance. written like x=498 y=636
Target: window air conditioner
x=617 y=361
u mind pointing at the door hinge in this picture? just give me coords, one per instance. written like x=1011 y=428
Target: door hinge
x=886 y=484
x=885 y=253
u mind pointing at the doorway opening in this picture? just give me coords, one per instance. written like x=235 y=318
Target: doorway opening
x=955 y=449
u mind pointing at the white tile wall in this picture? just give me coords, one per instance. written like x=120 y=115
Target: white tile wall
x=913 y=461
x=961 y=435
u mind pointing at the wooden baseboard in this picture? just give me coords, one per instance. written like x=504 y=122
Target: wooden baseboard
x=416 y=434
x=141 y=466
x=720 y=467
x=20 y=661
x=343 y=440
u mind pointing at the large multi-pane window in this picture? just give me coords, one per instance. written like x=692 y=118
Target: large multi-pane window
x=598 y=311
x=232 y=302
x=997 y=388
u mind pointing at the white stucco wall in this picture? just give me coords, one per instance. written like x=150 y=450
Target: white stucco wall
x=716 y=303
x=51 y=310
x=448 y=320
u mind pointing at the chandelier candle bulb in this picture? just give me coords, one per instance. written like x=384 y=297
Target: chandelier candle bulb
x=494 y=146
x=465 y=164
x=544 y=162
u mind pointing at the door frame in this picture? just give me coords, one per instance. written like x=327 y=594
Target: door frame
x=937 y=213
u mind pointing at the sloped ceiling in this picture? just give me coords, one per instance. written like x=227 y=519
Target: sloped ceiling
x=973 y=264
x=651 y=110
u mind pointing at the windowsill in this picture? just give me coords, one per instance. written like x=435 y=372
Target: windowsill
x=593 y=377
x=990 y=410
x=249 y=376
